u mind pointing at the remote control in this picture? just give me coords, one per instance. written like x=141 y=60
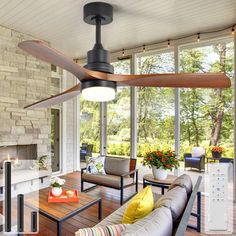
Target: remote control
x=218 y=219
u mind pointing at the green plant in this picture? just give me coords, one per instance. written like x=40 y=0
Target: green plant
x=165 y=159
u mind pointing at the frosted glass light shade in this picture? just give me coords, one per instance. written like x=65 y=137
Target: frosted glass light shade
x=98 y=90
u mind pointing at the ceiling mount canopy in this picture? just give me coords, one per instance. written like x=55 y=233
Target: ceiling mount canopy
x=98 y=83
x=98 y=14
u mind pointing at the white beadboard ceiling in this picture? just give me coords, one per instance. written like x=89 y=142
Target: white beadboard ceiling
x=136 y=22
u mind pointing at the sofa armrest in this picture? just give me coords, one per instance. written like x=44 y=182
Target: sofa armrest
x=187 y=155
x=129 y=173
x=83 y=170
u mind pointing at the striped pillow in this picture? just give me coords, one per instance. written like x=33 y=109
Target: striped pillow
x=111 y=230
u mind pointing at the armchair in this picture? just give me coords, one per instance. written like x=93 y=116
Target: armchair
x=195 y=159
x=121 y=173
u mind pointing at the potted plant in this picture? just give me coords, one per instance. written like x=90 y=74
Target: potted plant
x=161 y=162
x=56 y=184
x=216 y=151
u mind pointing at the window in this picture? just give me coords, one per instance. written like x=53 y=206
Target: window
x=155 y=105
x=89 y=124
x=207 y=114
x=55 y=140
x=118 y=116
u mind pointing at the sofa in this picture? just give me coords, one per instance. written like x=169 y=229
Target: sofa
x=170 y=215
x=195 y=159
x=121 y=173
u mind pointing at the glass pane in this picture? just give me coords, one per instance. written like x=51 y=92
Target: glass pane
x=118 y=116
x=207 y=114
x=55 y=139
x=89 y=128
x=155 y=107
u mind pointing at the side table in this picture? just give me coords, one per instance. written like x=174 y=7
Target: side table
x=163 y=184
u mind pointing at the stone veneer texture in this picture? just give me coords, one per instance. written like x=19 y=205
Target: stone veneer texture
x=23 y=80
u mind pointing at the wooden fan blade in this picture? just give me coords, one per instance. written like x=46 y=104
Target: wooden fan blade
x=43 y=51
x=59 y=98
x=178 y=80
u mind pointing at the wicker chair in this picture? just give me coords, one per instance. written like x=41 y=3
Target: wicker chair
x=195 y=159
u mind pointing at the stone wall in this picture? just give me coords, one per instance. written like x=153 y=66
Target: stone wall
x=23 y=80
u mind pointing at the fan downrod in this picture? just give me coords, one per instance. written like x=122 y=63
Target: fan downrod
x=98 y=14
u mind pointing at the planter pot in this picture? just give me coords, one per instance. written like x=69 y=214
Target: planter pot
x=159 y=173
x=216 y=154
x=56 y=191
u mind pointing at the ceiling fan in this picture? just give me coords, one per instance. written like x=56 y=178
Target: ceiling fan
x=97 y=81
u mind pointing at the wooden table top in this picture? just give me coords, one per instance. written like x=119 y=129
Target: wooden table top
x=168 y=181
x=58 y=211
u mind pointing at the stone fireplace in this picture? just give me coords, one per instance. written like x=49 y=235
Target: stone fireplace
x=21 y=152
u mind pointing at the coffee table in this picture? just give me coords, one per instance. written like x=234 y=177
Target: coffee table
x=163 y=184
x=60 y=212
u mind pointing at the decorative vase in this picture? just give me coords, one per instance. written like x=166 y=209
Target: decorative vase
x=216 y=154
x=56 y=191
x=159 y=173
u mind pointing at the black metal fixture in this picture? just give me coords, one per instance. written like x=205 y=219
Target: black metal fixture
x=98 y=90
x=98 y=14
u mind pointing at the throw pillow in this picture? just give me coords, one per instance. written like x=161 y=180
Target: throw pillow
x=95 y=165
x=111 y=230
x=140 y=206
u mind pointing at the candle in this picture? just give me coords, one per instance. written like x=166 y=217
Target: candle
x=7 y=196
x=20 y=212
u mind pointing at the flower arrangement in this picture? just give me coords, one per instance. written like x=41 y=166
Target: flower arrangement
x=57 y=182
x=161 y=159
x=216 y=149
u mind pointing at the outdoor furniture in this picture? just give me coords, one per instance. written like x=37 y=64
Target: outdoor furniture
x=85 y=150
x=163 y=184
x=195 y=159
x=166 y=219
x=61 y=212
x=121 y=173
x=220 y=160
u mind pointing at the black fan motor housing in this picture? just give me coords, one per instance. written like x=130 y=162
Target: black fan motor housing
x=98 y=59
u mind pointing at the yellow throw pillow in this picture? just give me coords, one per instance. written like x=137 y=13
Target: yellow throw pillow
x=140 y=206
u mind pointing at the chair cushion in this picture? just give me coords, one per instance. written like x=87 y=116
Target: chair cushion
x=198 y=151
x=140 y=206
x=111 y=230
x=95 y=165
x=107 y=180
x=157 y=223
x=117 y=166
x=176 y=200
x=183 y=181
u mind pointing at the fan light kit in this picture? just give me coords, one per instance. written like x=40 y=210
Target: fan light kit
x=97 y=81
x=98 y=90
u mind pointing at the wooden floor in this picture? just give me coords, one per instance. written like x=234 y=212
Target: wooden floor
x=88 y=218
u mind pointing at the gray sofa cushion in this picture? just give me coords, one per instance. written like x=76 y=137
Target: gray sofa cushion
x=108 y=180
x=176 y=200
x=157 y=223
x=116 y=166
x=183 y=181
x=117 y=216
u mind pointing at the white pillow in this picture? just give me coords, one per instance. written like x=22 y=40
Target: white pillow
x=197 y=151
x=95 y=165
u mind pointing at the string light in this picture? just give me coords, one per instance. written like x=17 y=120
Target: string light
x=198 y=37
x=144 y=48
x=123 y=52
x=232 y=31
x=168 y=45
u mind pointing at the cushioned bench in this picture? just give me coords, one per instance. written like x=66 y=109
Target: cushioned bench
x=170 y=215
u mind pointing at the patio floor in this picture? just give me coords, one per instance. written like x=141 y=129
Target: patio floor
x=88 y=218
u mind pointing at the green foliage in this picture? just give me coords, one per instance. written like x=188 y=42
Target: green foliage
x=161 y=159
x=201 y=110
